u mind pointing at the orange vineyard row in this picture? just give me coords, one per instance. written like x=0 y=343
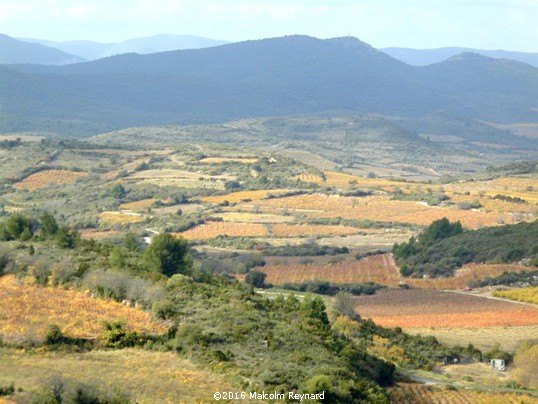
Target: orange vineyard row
x=27 y=310
x=43 y=179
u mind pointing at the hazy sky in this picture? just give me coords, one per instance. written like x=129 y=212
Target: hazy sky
x=485 y=24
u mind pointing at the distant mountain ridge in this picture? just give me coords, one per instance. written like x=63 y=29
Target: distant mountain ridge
x=91 y=50
x=424 y=57
x=278 y=76
x=14 y=51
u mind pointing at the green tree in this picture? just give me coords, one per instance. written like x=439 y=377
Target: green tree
x=49 y=226
x=18 y=226
x=66 y=238
x=118 y=191
x=130 y=242
x=168 y=255
x=116 y=259
x=256 y=279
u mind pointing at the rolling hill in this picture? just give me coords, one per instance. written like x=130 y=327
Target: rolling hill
x=15 y=51
x=423 y=57
x=279 y=76
x=91 y=50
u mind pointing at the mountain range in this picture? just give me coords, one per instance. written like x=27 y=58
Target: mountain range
x=278 y=76
x=91 y=50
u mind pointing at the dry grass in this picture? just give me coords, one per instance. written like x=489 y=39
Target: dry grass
x=138 y=205
x=231 y=229
x=96 y=234
x=27 y=310
x=46 y=178
x=220 y=160
x=121 y=218
x=483 y=338
x=217 y=185
x=146 y=376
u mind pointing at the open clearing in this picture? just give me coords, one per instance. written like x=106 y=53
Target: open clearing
x=483 y=338
x=146 y=376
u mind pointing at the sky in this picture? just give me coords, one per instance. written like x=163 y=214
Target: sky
x=422 y=24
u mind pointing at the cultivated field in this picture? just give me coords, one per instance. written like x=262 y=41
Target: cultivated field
x=414 y=393
x=121 y=218
x=416 y=308
x=376 y=268
x=46 y=178
x=244 y=195
x=529 y=295
x=231 y=229
x=383 y=270
x=27 y=310
x=376 y=208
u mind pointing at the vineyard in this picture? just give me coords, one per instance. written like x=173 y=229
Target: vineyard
x=342 y=180
x=376 y=268
x=381 y=269
x=414 y=393
x=528 y=295
x=231 y=229
x=288 y=230
x=27 y=310
x=250 y=217
x=121 y=218
x=415 y=308
x=378 y=208
x=46 y=178
x=244 y=195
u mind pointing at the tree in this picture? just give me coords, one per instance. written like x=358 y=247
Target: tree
x=168 y=255
x=130 y=242
x=66 y=238
x=116 y=259
x=49 y=226
x=118 y=191
x=526 y=365
x=256 y=279
x=344 y=305
x=17 y=227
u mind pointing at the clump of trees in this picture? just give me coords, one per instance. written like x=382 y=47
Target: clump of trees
x=443 y=247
